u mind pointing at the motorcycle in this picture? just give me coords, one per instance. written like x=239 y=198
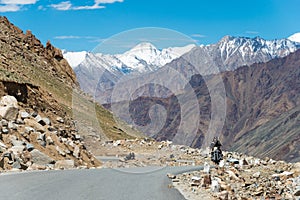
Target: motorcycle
x=216 y=156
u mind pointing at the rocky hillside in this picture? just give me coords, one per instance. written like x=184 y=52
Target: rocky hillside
x=40 y=84
x=32 y=140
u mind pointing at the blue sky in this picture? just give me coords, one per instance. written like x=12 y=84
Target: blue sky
x=80 y=25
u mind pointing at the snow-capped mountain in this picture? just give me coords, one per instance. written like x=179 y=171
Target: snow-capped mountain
x=295 y=37
x=142 y=58
x=232 y=52
x=98 y=73
x=146 y=57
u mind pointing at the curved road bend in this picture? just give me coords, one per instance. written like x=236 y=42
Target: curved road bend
x=147 y=183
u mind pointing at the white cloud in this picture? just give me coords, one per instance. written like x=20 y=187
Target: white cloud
x=40 y=7
x=63 y=37
x=93 y=7
x=252 y=32
x=198 y=35
x=18 y=2
x=98 y=4
x=9 y=8
x=67 y=37
x=107 y=1
x=14 y=5
x=90 y=39
x=65 y=5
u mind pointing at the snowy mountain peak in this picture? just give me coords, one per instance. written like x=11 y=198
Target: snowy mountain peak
x=252 y=47
x=295 y=37
x=75 y=58
x=143 y=46
x=141 y=58
x=146 y=57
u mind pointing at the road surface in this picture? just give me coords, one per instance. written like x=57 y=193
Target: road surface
x=147 y=183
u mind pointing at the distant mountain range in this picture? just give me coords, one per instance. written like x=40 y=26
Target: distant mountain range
x=143 y=57
x=261 y=80
x=98 y=73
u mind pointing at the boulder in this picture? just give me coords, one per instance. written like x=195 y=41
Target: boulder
x=60 y=151
x=206 y=168
x=38 y=118
x=35 y=166
x=215 y=187
x=29 y=129
x=130 y=156
x=40 y=137
x=17 y=149
x=195 y=181
x=206 y=181
x=16 y=164
x=29 y=147
x=46 y=121
x=171 y=176
x=64 y=164
x=9 y=107
x=20 y=121
x=34 y=124
x=5 y=130
x=256 y=175
x=40 y=158
x=76 y=151
x=24 y=114
x=2 y=145
x=51 y=129
x=60 y=119
x=49 y=140
x=77 y=137
x=42 y=121
x=4 y=163
x=34 y=114
x=4 y=123
x=12 y=125
x=223 y=195
x=232 y=175
x=15 y=142
x=233 y=161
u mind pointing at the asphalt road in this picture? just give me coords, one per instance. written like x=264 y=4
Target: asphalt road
x=147 y=183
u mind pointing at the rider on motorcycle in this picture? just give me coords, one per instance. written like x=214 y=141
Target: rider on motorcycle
x=216 y=152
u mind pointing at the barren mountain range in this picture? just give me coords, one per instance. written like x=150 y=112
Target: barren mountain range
x=261 y=81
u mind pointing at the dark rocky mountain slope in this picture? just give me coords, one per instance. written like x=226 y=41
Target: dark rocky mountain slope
x=262 y=112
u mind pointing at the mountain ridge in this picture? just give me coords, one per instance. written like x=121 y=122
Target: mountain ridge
x=48 y=104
